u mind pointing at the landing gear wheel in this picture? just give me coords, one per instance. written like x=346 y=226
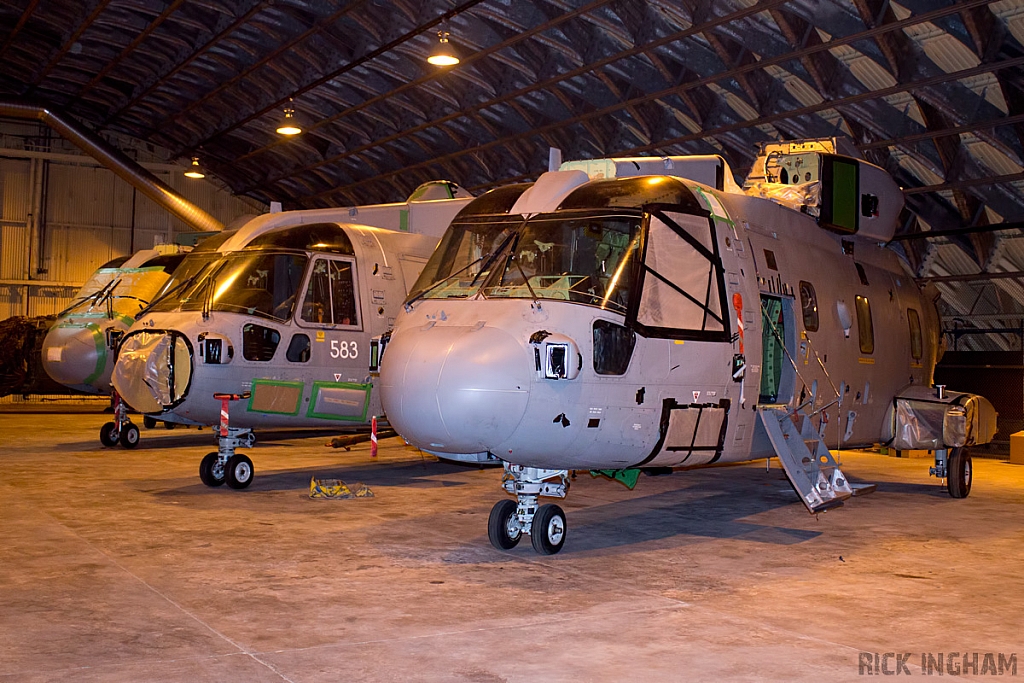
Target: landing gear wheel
x=503 y=525
x=169 y=425
x=130 y=436
x=959 y=473
x=238 y=471
x=549 y=528
x=209 y=472
x=109 y=434
x=148 y=422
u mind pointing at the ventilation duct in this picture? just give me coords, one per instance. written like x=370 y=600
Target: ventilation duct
x=126 y=168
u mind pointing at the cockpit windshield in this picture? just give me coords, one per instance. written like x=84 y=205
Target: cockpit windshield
x=463 y=259
x=260 y=283
x=118 y=291
x=589 y=259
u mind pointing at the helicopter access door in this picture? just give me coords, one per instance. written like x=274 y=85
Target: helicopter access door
x=778 y=339
x=681 y=288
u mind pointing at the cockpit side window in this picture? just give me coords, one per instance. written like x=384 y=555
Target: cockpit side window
x=682 y=282
x=613 y=348
x=331 y=297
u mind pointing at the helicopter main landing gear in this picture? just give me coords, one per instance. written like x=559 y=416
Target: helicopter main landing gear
x=509 y=520
x=122 y=430
x=225 y=466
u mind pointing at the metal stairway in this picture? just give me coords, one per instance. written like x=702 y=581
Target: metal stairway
x=813 y=472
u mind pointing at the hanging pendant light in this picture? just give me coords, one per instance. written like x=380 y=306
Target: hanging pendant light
x=195 y=170
x=444 y=53
x=289 y=126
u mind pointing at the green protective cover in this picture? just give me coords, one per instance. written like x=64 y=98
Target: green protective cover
x=276 y=383
x=317 y=386
x=628 y=477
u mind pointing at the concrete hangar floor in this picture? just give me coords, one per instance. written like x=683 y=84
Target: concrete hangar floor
x=120 y=565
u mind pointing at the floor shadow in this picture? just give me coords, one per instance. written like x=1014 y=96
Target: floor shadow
x=409 y=474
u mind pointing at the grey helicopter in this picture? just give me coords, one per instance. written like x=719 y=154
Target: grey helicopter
x=648 y=313
x=277 y=318
x=78 y=350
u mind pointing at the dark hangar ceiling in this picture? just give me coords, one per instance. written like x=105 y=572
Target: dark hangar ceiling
x=931 y=90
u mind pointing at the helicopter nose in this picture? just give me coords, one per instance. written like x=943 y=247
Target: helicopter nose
x=153 y=370
x=75 y=355
x=455 y=389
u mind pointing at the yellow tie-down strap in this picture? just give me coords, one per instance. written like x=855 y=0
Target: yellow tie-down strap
x=336 y=489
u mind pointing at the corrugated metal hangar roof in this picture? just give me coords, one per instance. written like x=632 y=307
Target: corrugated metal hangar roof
x=931 y=90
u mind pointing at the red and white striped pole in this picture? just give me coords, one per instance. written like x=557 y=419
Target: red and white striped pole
x=373 y=437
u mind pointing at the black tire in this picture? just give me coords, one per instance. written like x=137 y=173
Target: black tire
x=148 y=422
x=109 y=434
x=130 y=436
x=169 y=425
x=209 y=473
x=549 y=529
x=238 y=472
x=498 y=525
x=959 y=473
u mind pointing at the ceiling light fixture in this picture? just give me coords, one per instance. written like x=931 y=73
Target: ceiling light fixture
x=195 y=170
x=289 y=126
x=444 y=53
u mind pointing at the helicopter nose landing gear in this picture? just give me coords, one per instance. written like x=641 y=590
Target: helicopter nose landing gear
x=225 y=466
x=510 y=520
x=122 y=430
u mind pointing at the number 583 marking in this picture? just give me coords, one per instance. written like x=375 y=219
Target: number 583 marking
x=344 y=349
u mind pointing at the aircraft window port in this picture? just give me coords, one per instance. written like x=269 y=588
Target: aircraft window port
x=865 y=332
x=916 y=347
x=769 y=259
x=298 y=349
x=259 y=343
x=613 y=347
x=809 y=306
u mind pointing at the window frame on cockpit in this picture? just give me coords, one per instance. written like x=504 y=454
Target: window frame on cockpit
x=300 y=306
x=716 y=272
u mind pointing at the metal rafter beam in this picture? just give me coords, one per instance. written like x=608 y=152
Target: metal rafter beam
x=382 y=97
x=679 y=90
x=17 y=27
x=318 y=26
x=100 y=6
x=772 y=118
x=128 y=49
x=256 y=6
x=998 y=227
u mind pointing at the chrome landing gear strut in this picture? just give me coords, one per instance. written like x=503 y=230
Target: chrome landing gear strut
x=546 y=525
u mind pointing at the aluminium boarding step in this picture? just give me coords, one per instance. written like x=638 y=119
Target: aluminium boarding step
x=810 y=467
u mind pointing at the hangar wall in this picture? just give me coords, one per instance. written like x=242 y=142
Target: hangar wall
x=62 y=215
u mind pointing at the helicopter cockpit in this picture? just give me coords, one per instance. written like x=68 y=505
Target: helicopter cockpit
x=641 y=247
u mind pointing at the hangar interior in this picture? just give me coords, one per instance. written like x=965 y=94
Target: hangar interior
x=932 y=92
